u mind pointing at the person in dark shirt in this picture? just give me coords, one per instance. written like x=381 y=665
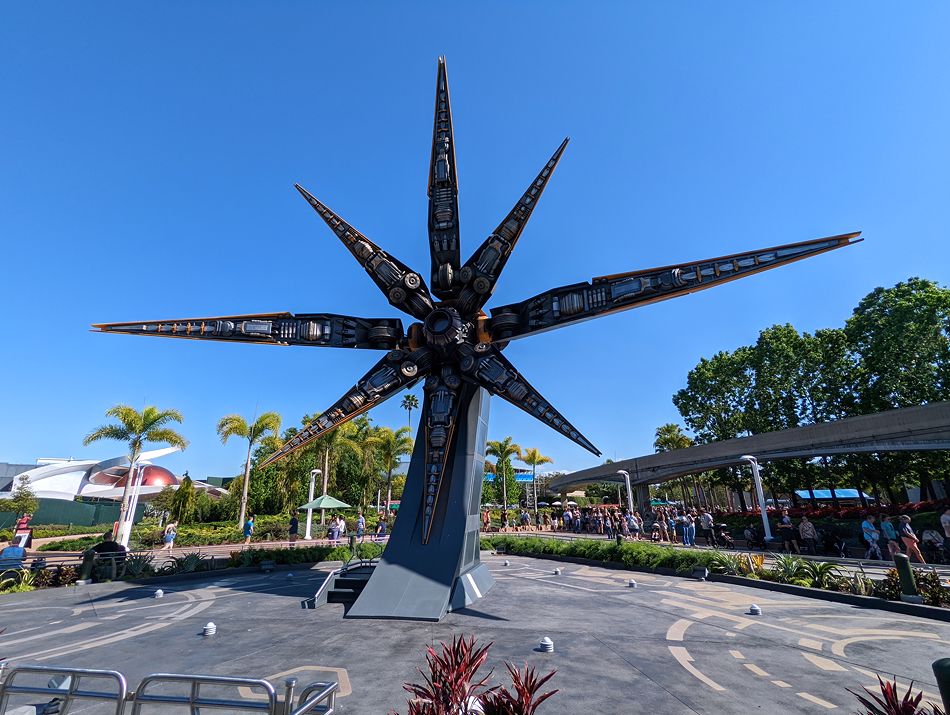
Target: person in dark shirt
x=108 y=545
x=105 y=547
x=294 y=527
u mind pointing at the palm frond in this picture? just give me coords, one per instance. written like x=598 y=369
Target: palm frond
x=115 y=432
x=130 y=418
x=153 y=417
x=232 y=426
x=167 y=435
x=267 y=422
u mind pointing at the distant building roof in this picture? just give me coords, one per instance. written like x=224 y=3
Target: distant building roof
x=9 y=471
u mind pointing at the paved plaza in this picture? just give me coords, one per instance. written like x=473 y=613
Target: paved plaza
x=671 y=645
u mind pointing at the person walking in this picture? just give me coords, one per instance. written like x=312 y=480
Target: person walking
x=890 y=535
x=380 y=529
x=248 y=529
x=168 y=536
x=294 y=528
x=871 y=536
x=911 y=542
x=360 y=525
x=809 y=535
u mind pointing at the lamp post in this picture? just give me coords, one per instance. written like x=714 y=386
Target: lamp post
x=313 y=476
x=756 y=477
x=626 y=480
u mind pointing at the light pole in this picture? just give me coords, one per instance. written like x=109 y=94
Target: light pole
x=626 y=480
x=313 y=476
x=754 y=463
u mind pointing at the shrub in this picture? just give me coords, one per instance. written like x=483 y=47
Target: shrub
x=929 y=586
x=71 y=544
x=890 y=702
x=819 y=574
x=452 y=685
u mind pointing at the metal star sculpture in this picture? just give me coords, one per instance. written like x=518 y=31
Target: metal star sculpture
x=454 y=341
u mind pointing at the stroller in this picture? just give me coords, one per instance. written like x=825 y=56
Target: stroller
x=723 y=539
x=753 y=539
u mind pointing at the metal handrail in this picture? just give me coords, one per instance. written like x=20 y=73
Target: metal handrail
x=194 y=700
x=66 y=695
x=317 y=699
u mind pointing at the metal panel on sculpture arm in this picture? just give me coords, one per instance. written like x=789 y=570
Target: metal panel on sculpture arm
x=492 y=370
x=403 y=287
x=397 y=371
x=314 y=329
x=480 y=272
x=443 y=194
x=614 y=293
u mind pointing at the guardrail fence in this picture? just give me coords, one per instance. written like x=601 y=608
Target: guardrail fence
x=60 y=688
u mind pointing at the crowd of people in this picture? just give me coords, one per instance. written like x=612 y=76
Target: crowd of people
x=682 y=525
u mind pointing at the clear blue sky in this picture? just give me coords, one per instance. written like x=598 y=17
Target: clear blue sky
x=150 y=151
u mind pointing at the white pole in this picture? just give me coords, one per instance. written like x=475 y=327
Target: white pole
x=626 y=480
x=756 y=477
x=313 y=476
x=125 y=527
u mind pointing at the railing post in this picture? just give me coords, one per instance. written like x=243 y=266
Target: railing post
x=942 y=673
x=289 y=685
x=909 y=592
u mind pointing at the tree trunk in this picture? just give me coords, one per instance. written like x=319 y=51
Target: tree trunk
x=742 y=504
x=860 y=485
x=389 y=490
x=247 y=479
x=124 y=507
x=534 y=485
x=326 y=477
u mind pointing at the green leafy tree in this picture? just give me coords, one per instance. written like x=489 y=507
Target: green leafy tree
x=236 y=426
x=22 y=499
x=390 y=446
x=184 y=501
x=506 y=486
x=135 y=429
x=534 y=459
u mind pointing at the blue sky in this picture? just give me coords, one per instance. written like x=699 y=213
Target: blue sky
x=150 y=151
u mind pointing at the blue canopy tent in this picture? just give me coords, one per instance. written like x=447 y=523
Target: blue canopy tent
x=825 y=494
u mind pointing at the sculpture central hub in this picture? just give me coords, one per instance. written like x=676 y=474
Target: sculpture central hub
x=442 y=327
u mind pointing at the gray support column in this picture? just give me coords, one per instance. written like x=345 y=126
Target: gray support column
x=643 y=498
x=424 y=581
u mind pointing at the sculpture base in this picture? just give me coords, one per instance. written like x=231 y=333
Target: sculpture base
x=418 y=581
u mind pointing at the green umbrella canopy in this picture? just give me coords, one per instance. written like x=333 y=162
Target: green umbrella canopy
x=325 y=502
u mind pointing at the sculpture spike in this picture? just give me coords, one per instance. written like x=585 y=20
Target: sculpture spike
x=615 y=293
x=490 y=369
x=313 y=329
x=440 y=412
x=397 y=371
x=443 y=194
x=480 y=272
x=403 y=288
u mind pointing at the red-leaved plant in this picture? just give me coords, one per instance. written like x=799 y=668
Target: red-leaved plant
x=452 y=687
x=891 y=702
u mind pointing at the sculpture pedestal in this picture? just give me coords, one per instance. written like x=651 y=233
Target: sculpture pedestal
x=419 y=581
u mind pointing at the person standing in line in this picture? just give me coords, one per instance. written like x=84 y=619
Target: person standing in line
x=809 y=535
x=890 y=535
x=294 y=528
x=708 y=527
x=486 y=520
x=911 y=542
x=787 y=529
x=691 y=519
x=168 y=536
x=945 y=524
x=360 y=525
x=248 y=529
x=871 y=536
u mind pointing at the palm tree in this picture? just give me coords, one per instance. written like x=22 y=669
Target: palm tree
x=236 y=426
x=332 y=444
x=533 y=458
x=503 y=451
x=135 y=429
x=389 y=447
x=410 y=403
